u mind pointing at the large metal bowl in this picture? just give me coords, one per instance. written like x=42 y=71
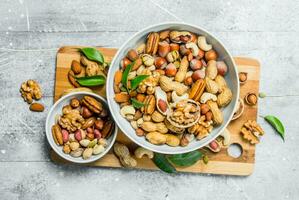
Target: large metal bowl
x=140 y=37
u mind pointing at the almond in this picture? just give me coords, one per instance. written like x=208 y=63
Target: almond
x=37 y=107
x=121 y=97
x=76 y=67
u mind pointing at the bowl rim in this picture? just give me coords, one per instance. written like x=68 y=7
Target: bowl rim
x=110 y=76
x=57 y=149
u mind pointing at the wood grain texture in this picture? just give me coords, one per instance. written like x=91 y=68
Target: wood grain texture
x=220 y=163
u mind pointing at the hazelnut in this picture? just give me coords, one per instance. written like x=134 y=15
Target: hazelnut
x=190 y=57
x=201 y=54
x=137 y=64
x=174 y=47
x=140 y=97
x=160 y=62
x=195 y=64
x=211 y=55
x=242 y=77
x=75 y=103
x=89 y=130
x=204 y=108
x=184 y=50
x=139 y=132
x=209 y=116
x=193 y=38
x=198 y=74
x=170 y=70
x=86 y=113
x=163 y=49
x=188 y=81
x=98 y=124
x=251 y=99
x=132 y=54
x=124 y=62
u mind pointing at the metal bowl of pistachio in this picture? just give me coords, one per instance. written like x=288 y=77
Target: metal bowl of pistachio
x=172 y=88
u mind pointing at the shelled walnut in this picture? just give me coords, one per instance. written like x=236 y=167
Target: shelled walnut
x=30 y=90
x=252 y=131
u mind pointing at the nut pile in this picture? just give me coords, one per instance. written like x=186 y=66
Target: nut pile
x=83 y=127
x=30 y=90
x=183 y=92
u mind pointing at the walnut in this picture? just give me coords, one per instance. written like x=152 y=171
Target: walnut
x=92 y=68
x=251 y=131
x=148 y=85
x=71 y=119
x=30 y=90
x=201 y=129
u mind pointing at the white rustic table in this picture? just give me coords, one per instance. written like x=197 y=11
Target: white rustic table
x=31 y=31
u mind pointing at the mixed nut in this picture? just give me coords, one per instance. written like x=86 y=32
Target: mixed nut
x=83 y=127
x=30 y=90
x=172 y=88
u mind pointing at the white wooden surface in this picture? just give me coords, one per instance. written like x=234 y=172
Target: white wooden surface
x=31 y=31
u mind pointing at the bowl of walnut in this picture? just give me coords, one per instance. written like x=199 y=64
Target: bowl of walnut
x=79 y=127
x=172 y=88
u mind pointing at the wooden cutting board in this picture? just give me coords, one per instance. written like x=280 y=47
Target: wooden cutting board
x=219 y=163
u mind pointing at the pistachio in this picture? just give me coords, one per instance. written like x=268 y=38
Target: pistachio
x=97 y=149
x=147 y=60
x=87 y=153
x=77 y=153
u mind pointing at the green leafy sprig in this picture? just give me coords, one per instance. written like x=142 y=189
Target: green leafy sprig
x=133 y=84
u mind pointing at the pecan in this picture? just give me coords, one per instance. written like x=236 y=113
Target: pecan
x=152 y=43
x=149 y=104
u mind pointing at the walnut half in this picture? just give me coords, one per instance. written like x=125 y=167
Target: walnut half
x=251 y=131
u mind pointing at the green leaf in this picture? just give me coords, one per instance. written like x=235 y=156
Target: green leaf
x=124 y=79
x=93 y=54
x=185 y=159
x=137 y=104
x=276 y=124
x=137 y=80
x=161 y=161
x=91 y=80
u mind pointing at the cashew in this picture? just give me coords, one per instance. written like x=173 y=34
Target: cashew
x=226 y=136
x=127 y=110
x=207 y=96
x=132 y=75
x=193 y=47
x=176 y=98
x=202 y=43
x=140 y=152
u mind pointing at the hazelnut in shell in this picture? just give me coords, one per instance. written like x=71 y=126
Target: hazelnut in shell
x=174 y=47
x=170 y=70
x=211 y=55
x=160 y=62
x=124 y=62
x=163 y=49
x=251 y=99
x=132 y=54
x=198 y=74
x=195 y=64
x=242 y=77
